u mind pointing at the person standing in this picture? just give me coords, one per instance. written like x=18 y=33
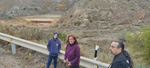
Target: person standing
x=121 y=58
x=72 y=53
x=53 y=46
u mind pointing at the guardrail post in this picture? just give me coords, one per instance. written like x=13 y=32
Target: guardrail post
x=13 y=47
x=95 y=55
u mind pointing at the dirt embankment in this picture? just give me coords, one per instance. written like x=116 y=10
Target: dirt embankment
x=23 y=59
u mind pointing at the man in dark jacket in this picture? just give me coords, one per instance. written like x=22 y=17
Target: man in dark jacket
x=53 y=47
x=121 y=57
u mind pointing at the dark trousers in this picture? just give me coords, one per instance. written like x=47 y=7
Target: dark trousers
x=50 y=60
x=74 y=66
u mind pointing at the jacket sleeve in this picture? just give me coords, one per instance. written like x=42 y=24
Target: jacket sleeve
x=77 y=58
x=65 y=56
x=59 y=48
x=48 y=46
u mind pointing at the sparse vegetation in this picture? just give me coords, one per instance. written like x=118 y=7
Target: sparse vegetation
x=33 y=34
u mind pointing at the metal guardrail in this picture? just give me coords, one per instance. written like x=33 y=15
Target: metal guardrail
x=84 y=62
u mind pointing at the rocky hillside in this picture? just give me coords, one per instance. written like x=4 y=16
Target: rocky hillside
x=107 y=16
x=114 y=12
x=13 y=8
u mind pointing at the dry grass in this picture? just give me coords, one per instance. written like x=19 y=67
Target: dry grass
x=33 y=34
x=103 y=52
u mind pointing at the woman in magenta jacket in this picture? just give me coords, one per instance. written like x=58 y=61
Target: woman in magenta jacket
x=72 y=53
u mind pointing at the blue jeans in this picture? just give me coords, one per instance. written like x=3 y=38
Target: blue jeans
x=50 y=60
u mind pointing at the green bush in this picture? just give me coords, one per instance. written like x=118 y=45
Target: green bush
x=10 y=17
x=35 y=9
x=142 y=21
x=71 y=16
x=102 y=19
x=62 y=36
x=91 y=20
x=31 y=8
x=43 y=12
x=77 y=23
x=140 y=43
x=24 y=8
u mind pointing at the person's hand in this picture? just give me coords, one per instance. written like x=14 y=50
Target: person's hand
x=65 y=61
x=69 y=64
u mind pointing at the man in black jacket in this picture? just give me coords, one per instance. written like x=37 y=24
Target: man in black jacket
x=121 y=57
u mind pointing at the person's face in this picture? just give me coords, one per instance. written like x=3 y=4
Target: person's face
x=71 y=40
x=114 y=48
x=55 y=36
